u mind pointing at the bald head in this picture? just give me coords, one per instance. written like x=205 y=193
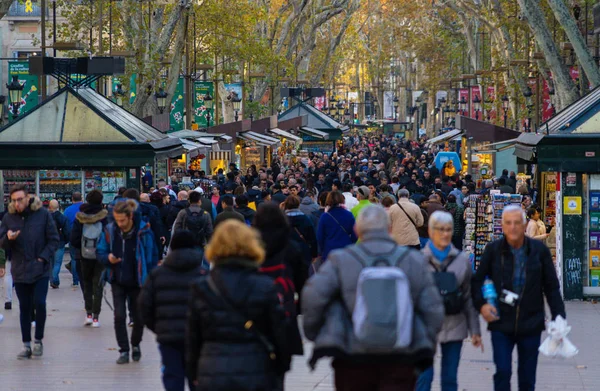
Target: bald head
x=53 y=206
x=144 y=197
x=182 y=195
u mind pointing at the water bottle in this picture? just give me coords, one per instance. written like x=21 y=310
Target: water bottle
x=489 y=292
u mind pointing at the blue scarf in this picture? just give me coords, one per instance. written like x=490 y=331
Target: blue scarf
x=440 y=255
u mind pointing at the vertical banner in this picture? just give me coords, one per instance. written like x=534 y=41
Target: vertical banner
x=388 y=104
x=201 y=88
x=462 y=93
x=491 y=99
x=29 y=98
x=547 y=106
x=475 y=92
x=176 y=113
x=320 y=102
x=132 y=89
x=234 y=90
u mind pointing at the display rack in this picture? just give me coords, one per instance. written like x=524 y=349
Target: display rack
x=470 y=225
x=59 y=185
x=17 y=177
x=499 y=202
x=549 y=199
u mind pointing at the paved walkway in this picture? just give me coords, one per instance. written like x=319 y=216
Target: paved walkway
x=79 y=358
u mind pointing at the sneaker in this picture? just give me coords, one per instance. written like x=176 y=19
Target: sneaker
x=136 y=353
x=8 y=305
x=75 y=285
x=123 y=358
x=130 y=323
x=96 y=323
x=88 y=321
x=25 y=354
x=53 y=285
x=38 y=349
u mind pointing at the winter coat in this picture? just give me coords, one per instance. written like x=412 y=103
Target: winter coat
x=163 y=301
x=457 y=327
x=229 y=213
x=457 y=212
x=285 y=265
x=336 y=230
x=182 y=216
x=220 y=353
x=434 y=206
x=247 y=213
x=146 y=253
x=303 y=232
x=38 y=239
x=151 y=214
x=174 y=211
x=328 y=321
x=63 y=228
x=308 y=206
x=527 y=316
x=88 y=214
x=403 y=230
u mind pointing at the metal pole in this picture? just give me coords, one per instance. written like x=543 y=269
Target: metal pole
x=188 y=75
x=43 y=77
x=54 y=27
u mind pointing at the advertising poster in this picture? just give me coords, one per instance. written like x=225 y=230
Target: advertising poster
x=234 y=90
x=29 y=98
x=201 y=88
x=176 y=109
x=595 y=200
x=594 y=259
x=572 y=206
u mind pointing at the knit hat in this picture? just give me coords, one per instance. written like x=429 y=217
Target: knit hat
x=94 y=197
x=182 y=239
x=364 y=191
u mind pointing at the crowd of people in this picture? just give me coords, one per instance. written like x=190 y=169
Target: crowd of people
x=365 y=242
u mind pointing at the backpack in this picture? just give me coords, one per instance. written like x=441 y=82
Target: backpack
x=447 y=285
x=90 y=236
x=196 y=224
x=383 y=314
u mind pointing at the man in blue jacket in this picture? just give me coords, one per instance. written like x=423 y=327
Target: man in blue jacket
x=128 y=249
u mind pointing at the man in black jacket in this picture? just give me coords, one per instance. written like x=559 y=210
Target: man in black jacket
x=182 y=203
x=523 y=273
x=29 y=232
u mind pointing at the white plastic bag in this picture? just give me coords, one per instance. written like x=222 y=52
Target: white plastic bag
x=557 y=344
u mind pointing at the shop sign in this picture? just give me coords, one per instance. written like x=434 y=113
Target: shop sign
x=571 y=179
x=590 y=154
x=572 y=205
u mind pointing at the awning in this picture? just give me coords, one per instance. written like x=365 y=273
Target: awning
x=194 y=149
x=207 y=140
x=524 y=152
x=226 y=138
x=261 y=139
x=283 y=133
x=314 y=133
x=444 y=137
x=496 y=147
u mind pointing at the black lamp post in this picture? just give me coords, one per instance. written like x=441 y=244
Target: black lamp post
x=442 y=108
x=208 y=103
x=463 y=105
x=251 y=99
x=161 y=99
x=477 y=106
x=396 y=103
x=119 y=94
x=505 y=108
x=340 y=110
x=237 y=105
x=15 y=93
x=2 y=100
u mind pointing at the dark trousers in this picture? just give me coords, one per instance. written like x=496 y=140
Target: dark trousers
x=120 y=295
x=32 y=297
x=91 y=271
x=449 y=374
x=527 y=349
x=373 y=377
x=173 y=362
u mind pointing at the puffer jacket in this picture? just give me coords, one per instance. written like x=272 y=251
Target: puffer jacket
x=163 y=301
x=38 y=239
x=460 y=326
x=88 y=214
x=328 y=321
x=221 y=354
x=403 y=230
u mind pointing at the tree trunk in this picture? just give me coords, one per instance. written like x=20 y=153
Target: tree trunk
x=4 y=6
x=566 y=20
x=565 y=87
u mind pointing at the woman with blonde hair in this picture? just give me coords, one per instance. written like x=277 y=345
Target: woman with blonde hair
x=236 y=327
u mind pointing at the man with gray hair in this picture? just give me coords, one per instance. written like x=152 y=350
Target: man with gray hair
x=405 y=218
x=330 y=298
x=523 y=273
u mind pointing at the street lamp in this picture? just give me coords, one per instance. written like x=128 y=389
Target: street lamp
x=251 y=99
x=208 y=103
x=463 y=105
x=505 y=108
x=15 y=92
x=161 y=99
x=442 y=108
x=396 y=103
x=119 y=93
x=477 y=105
x=340 y=109
x=237 y=105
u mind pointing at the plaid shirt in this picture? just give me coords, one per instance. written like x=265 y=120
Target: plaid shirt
x=520 y=258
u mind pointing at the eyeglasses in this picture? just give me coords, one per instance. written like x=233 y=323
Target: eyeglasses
x=16 y=201
x=443 y=230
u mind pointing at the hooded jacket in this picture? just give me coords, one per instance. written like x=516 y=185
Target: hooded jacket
x=88 y=214
x=174 y=211
x=247 y=212
x=164 y=297
x=33 y=251
x=308 y=206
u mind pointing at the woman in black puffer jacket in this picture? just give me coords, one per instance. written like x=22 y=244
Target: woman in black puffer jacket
x=302 y=230
x=235 y=320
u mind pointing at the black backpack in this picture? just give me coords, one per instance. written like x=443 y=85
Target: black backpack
x=448 y=287
x=196 y=224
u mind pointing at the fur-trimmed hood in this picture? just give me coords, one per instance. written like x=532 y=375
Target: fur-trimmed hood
x=85 y=218
x=34 y=204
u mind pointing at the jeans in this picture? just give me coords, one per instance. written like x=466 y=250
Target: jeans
x=58 y=261
x=92 y=290
x=32 y=296
x=75 y=267
x=450 y=361
x=8 y=283
x=373 y=377
x=527 y=349
x=120 y=295
x=173 y=362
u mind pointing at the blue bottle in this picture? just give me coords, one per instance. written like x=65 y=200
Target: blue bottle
x=489 y=292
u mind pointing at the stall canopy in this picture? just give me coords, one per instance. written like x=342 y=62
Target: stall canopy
x=449 y=135
x=314 y=133
x=316 y=118
x=283 y=133
x=582 y=116
x=261 y=139
x=480 y=131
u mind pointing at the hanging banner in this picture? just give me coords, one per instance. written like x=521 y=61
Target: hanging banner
x=201 y=88
x=235 y=90
x=176 y=113
x=547 y=106
x=29 y=97
x=319 y=102
x=132 y=89
x=388 y=105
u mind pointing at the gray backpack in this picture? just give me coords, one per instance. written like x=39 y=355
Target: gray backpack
x=90 y=236
x=383 y=314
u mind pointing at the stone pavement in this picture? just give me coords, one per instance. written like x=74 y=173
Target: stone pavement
x=79 y=358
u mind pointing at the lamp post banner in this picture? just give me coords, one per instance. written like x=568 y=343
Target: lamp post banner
x=234 y=90
x=176 y=108
x=201 y=88
x=29 y=98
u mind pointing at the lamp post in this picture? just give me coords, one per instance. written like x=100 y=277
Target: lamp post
x=477 y=106
x=442 y=108
x=396 y=104
x=527 y=94
x=208 y=103
x=119 y=93
x=2 y=100
x=505 y=108
x=340 y=110
x=463 y=105
x=161 y=99
x=15 y=93
x=237 y=105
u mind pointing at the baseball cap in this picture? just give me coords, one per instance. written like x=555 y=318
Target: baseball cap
x=364 y=191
